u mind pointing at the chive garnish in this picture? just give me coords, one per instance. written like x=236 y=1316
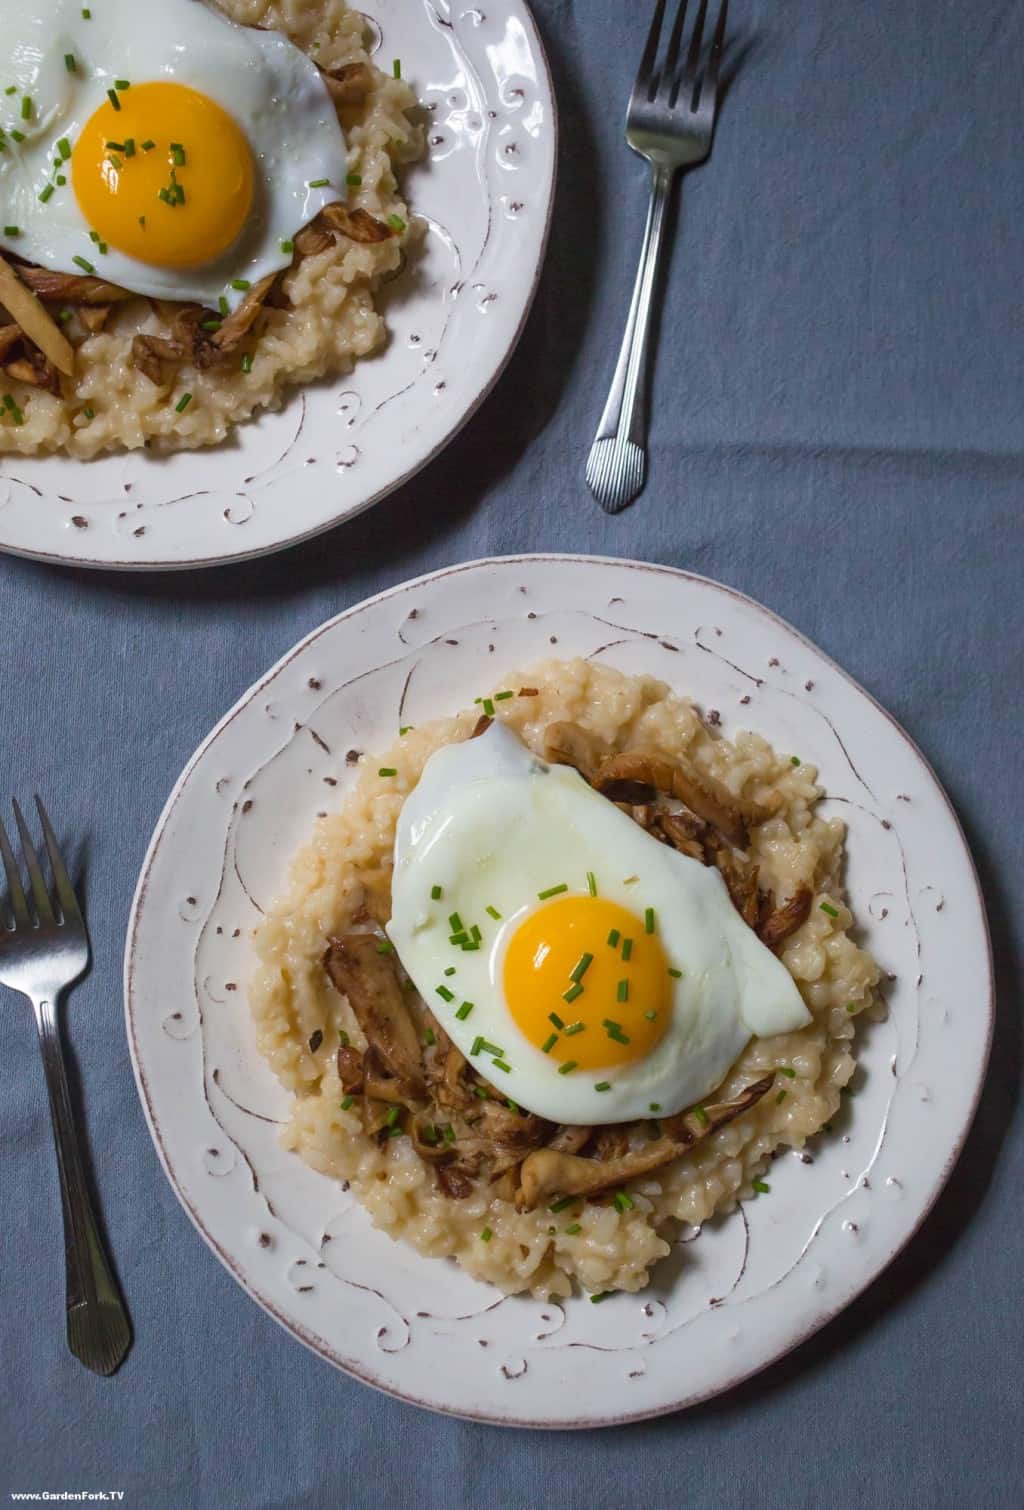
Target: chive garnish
x=129 y=146
x=701 y=1115
x=826 y=907
x=481 y=1092
x=761 y=1187
x=391 y=1116
x=655 y=1106
x=549 y=1044
x=318 y=183
x=89 y=412
x=223 y=305
x=572 y=993
x=448 y=1132
x=81 y=262
x=387 y=770
x=627 y=950
x=396 y=68
x=552 y=891
x=499 y=1064
x=429 y=1037
x=347 y=1102
x=487 y=705
x=511 y=1105
x=623 y=1202
x=11 y=230
x=486 y=1235
x=622 y=991
x=572 y=1230
x=476 y=934
x=287 y=247
x=455 y=923
x=478 y=1044
x=595 y=1300
x=64 y=148
x=148 y=144
x=183 y=403
x=26 y=107
x=555 y=1020
x=630 y=880
x=450 y=970
x=568 y=1067
x=444 y=993
x=560 y=1205
x=780 y=1098
x=675 y=974
x=650 y=1016
x=492 y=912
x=385 y=946
x=603 y=1085
x=70 y=63
x=499 y=697
x=581 y=967
x=178 y=154
x=436 y=893
x=45 y=195
x=122 y=84
x=112 y=97
x=397 y=224
x=242 y=284
x=354 y=181
x=851 y=1006
x=573 y=1029
x=794 y=760
x=649 y=920
x=613 y=938
x=591 y=878
x=784 y=1069
x=464 y=1011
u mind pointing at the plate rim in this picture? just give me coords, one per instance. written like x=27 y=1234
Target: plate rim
x=303 y=1334
x=204 y=563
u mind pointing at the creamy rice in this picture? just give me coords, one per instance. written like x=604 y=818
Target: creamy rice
x=332 y=320
x=291 y=999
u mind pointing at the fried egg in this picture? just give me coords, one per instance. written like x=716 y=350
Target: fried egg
x=588 y=971
x=164 y=148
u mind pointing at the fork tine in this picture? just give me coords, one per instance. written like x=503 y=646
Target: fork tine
x=646 y=70
x=690 y=70
x=668 y=73
x=65 y=891
x=44 y=907
x=15 y=890
x=709 y=85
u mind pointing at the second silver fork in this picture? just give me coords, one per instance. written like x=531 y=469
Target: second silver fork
x=670 y=122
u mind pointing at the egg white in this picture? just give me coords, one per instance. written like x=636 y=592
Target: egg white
x=492 y=825
x=273 y=91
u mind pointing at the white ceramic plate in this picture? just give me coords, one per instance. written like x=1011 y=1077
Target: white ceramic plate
x=485 y=190
x=754 y=1284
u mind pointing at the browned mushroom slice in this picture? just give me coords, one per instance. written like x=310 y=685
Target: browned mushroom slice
x=545 y=1172
x=10 y=335
x=741 y=883
x=357 y=225
x=94 y=316
x=680 y=778
x=350 y=84
x=569 y=744
x=644 y=814
x=611 y=1142
x=685 y=832
x=69 y=288
x=481 y=726
x=239 y=323
x=370 y=980
x=350 y=1069
x=23 y=306
x=455 y=1180
x=312 y=239
x=570 y=1139
x=35 y=371
x=157 y=357
x=778 y=922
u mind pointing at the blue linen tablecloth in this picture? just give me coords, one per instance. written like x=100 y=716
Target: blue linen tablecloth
x=838 y=431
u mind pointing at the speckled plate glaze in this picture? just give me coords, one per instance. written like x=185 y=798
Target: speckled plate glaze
x=336 y=447
x=755 y=1283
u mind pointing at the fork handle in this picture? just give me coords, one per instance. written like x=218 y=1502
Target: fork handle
x=98 y=1330
x=617 y=464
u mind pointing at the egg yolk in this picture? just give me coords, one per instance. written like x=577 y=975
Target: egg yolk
x=587 y=982
x=166 y=176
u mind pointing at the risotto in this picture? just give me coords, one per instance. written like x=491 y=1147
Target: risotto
x=600 y=1243
x=322 y=315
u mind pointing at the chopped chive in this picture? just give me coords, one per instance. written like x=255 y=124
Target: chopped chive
x=403 y=729
x=478 y=1043
x=391 y=1116
x=650 y=1016
x=470 y=946
x=560 y=1205
x=112 y=97
x=464 y=1011
x=183 y=403
x=455 y=923
x=655 y=1106
x=148 y=144
x=429 y=1037
x=223 y=305
x=64 y=148
x=347 y=1102
x=387 y=770
x=486 y=1235
x=210 y=324
x=591 y=878
x=603 y=1085
x=436 y=893
x=581 y=967
x=568 y=1067
x=397 y=224
x=613 y=938
x=573 y=1029
x=122 y=84
x=129 y=146
x=487 y=705
x=555 y=1020
x=761 y=1187
x=701 y=1115
x=385 y=946
x=573 y=992
x=458 y=938
x=630 y=880
x=69 y=62
x=596 y=1299
x=444 y=993
x=784 y=1069
x=318 y=183
x=396 y=68
x=572 y=1230
x=675 y=974
x=499 y=697
x=450 y=970
x=499 y=1064
x=622 y=991
x=794 y=760
x=429 y=1135
x=45 y=195
x=649 y=920
x=552 y=891
x=287 y=247
x=94 y=236
x=354 y=180
x=343 y=1038
x=476 y=934
x=242 y=284
x=481 y=1092
x=851 y=1006
x=826 y=907
x=178 y=154
x=511 y=1105
x=12 y=230
x=396 y=1131
x=448 y=1133
x=492 y=912
x=81 y=262
x=26 y=107
x=627 y=950
x=549 y=1044
x=623 y=1202
x=11 y=89
x=86 y=14
x=780 y=1098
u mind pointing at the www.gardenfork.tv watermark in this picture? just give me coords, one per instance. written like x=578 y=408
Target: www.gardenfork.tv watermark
x=68 y=1496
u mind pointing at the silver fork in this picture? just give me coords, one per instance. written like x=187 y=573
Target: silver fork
x=45 y=951
x=670 y=121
